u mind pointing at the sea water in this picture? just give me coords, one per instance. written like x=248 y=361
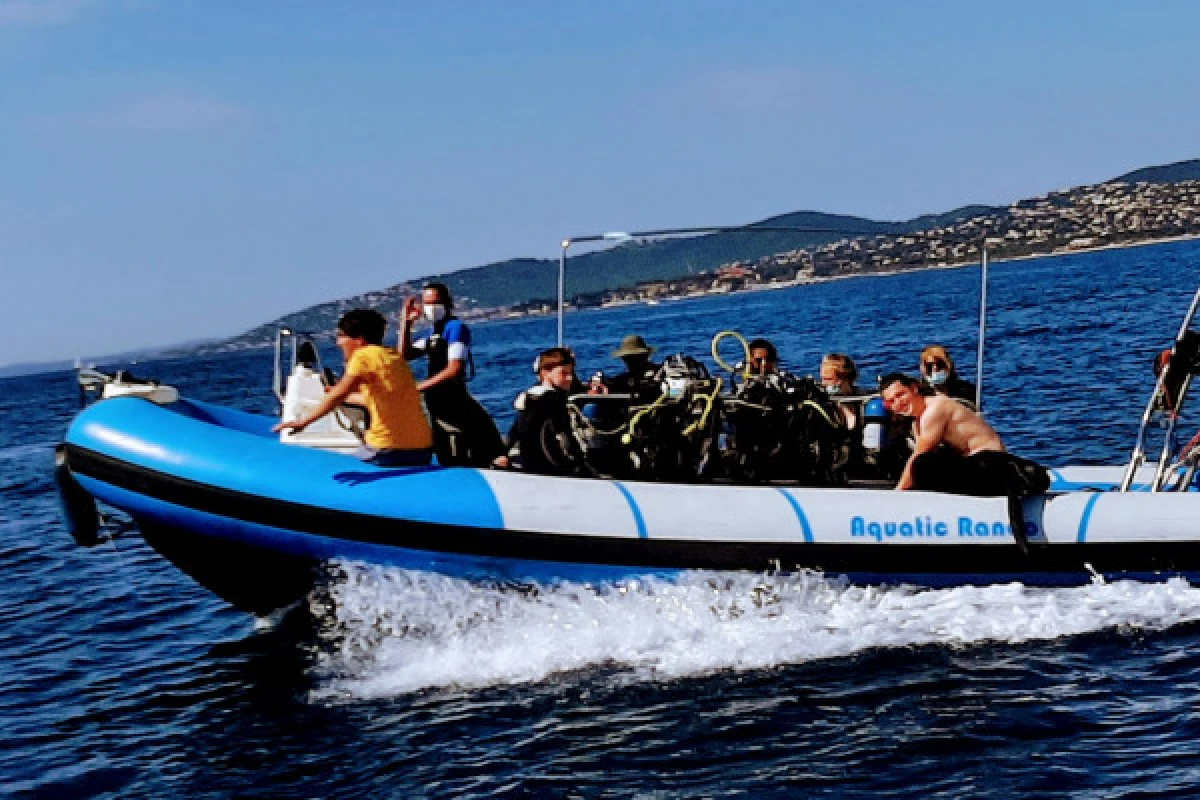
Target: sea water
x=122 y=678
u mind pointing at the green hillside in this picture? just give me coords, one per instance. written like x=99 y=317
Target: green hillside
x=523 y=280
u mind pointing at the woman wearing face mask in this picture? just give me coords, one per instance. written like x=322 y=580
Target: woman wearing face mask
x=838 y=375
x=938 y=375
x=451 y=406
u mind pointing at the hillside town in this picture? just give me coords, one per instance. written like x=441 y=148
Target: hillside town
x=1072 y=220
x=1112 y=214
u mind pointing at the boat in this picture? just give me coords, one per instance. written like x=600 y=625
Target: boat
x=256 y=517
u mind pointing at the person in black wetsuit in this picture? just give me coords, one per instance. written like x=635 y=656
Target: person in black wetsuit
x=642 y=385
x=638 y=379
x=463 y=432
x=542 y=440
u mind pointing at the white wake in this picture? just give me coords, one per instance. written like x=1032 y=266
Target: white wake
x=391 y=631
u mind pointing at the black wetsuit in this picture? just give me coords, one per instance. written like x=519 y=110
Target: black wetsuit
x=451 y=405
x=639 y=384
x=541 y=439
x=988 y=473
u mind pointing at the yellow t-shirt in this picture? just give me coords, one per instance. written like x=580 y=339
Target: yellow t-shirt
x=397 y=418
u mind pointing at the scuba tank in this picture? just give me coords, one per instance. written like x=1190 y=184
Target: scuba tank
x=875 y=418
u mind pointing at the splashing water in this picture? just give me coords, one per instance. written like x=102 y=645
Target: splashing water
x=390 y=631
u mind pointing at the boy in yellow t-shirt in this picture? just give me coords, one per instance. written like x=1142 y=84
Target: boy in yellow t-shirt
x=380 y=379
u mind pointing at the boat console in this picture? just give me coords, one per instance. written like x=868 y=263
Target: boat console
x=301 y=392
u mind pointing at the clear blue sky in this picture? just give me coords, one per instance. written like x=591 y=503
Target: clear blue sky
x=174 y=169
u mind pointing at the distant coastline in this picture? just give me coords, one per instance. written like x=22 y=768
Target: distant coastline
x=1187 y=237
x=50 y=367
x=851 y=275
x=1155 y=205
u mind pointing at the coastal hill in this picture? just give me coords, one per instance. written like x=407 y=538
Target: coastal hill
x=525 y=281
x=1167 y=173
x=838 y=245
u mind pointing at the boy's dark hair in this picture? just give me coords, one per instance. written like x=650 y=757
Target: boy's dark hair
x=901 y=378
x=443 y=293
x=763 y=344
x=363 y=323
x=554 y=357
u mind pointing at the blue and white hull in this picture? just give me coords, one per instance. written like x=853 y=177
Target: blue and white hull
x=253 y=519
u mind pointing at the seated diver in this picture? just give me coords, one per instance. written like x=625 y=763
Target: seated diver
x=639 y=385
x=542 y=440
x=939 y=376
x=764 y=358
x=838 y=375
x=640 y=378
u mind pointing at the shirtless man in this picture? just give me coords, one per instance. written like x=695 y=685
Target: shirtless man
x=956 y=450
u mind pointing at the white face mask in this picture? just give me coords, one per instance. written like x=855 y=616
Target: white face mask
x=435 y=312
x=938 y=377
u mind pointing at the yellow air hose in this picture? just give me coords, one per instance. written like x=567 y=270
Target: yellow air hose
x=633 y=421
x=716 y=341
x=709 y=400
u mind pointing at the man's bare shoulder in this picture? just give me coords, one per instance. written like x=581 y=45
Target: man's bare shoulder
x=940 y=406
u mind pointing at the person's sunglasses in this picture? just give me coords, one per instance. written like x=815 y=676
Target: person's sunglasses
x=930 y=366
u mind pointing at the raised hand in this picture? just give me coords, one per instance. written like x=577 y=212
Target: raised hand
x=412 y=308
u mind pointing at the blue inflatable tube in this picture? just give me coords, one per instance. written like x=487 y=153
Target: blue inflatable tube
x=254 y=520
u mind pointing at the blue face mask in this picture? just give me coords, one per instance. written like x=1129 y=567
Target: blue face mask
x=938 y=377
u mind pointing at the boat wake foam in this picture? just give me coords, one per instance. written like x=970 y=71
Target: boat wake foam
x=389 y=631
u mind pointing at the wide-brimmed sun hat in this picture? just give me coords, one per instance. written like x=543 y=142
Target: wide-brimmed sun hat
x=633 y=345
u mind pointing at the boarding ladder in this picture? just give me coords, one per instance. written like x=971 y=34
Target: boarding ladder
x=1170 y=392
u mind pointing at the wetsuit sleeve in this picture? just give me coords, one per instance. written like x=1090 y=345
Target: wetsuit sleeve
x=458 y=340
x=513 y=440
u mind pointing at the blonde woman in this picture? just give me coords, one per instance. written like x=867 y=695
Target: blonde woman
x=939 y=376
x=838 y=375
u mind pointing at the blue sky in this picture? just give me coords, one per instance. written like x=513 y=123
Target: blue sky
x=176 y=169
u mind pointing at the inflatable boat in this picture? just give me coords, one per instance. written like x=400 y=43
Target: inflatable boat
x=253 y=515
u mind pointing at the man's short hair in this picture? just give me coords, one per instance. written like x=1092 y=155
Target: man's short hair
x=554 y=357
x=901 y=378
x=763 y=344
x=363 y=323
x=443 y=293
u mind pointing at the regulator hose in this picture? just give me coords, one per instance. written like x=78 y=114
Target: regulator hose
x=716 y=341
x=709 y=400
x=633 y=421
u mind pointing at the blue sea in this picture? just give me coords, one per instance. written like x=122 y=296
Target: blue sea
x=121 y=678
